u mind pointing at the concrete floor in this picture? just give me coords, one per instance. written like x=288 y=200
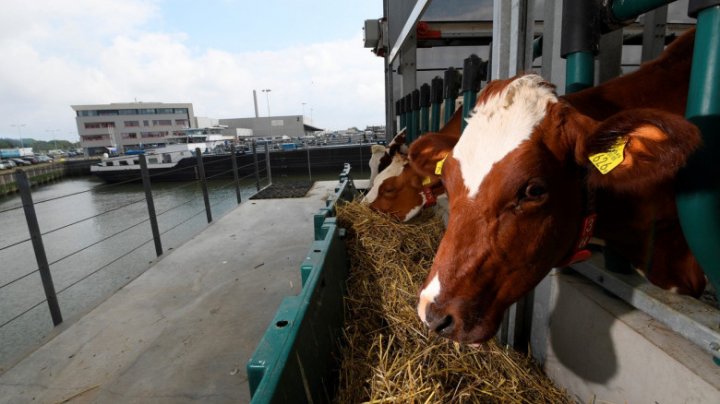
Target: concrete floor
x=183 y=331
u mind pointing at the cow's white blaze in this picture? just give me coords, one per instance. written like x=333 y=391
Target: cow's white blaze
x=393 y=170
x=428 y=296
x=499 y=125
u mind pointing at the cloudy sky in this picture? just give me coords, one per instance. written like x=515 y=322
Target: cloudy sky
x=213 y=53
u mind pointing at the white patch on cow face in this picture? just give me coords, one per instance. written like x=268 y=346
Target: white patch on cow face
x=427 y=296
x=499 y=125
x=414 y=211
x=393 y=170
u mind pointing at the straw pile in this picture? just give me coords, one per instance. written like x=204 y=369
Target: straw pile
x=389 y=356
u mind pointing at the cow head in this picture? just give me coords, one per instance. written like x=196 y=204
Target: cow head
x=516 y=182
x=402 y=192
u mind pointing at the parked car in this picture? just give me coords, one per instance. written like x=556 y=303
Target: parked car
x=3 y=166
x=21 y=162
x=44 y=159
x=8 y=163
x=31 y=159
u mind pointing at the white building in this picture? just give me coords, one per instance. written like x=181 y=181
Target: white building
x=131 y=125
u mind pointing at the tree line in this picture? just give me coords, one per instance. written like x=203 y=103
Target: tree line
x=39 y=146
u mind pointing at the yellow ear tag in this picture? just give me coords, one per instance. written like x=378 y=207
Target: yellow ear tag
x=426 y=181
x=439 y=166
x=607 y=161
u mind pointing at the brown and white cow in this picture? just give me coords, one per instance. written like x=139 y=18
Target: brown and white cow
x=520 y=182
x=662 y=84
x=398 y=190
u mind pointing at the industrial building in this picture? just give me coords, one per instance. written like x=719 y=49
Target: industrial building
x=291 y=126
x=125 y=126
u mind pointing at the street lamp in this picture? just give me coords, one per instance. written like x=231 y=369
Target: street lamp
x=267 y=98
x=303 y=104
x=51 y=131
x=20 y=126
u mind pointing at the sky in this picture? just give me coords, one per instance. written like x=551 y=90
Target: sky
x=212 y=53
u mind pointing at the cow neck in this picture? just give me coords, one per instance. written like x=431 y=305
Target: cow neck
x=580 y=252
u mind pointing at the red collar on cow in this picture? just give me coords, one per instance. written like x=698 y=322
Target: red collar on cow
x=580 y=253
x=430 y=198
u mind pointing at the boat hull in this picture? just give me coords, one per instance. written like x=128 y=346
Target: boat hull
x=323 y=160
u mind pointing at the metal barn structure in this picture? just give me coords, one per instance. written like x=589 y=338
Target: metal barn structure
x=643 y=344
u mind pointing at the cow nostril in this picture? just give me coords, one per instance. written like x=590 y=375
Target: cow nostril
x=444 y=326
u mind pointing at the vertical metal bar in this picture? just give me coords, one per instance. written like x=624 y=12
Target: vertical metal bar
x=203 y=183
x=307 y=147
x=235 y=173
x=257 y=167
x=23 y=185
x=145 y=175
x=267 y=162
x=436 y=93
x=424 y=109
x=415 y=107
x=698 y=197
x=450 y=92
x=580 y=71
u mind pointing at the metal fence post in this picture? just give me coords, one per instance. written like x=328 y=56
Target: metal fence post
x=203 y=183
x=257 y=168
x=235 y=173
x=307 y=147
x=36 y=237
x=267 y=162
x=145 y=174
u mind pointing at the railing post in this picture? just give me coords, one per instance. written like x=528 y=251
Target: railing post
x=23 y=185
x=257 y=168
x=145 y=174
x=267 y=162
x=307 y=147
x=203 y=183
x=235 y=173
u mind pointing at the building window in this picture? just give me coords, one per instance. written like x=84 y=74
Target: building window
x=88 y=113
x=149 y=135
x=146 y=123
x=129 y=135
x=164 y=110
x=147 y=111
x=92 y=138
x=131 y=124
x=181 y=111
x=99 y=125
x=108 y=112
x=183 y=123
x=162 y=122
x=128 y=111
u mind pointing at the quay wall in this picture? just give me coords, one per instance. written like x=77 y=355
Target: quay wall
x=44 y=173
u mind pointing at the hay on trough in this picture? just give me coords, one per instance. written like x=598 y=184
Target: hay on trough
x=389 y=356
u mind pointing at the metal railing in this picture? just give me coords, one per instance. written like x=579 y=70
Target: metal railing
x=168 y=214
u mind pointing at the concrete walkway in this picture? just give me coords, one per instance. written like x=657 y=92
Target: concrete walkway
x=183 y=331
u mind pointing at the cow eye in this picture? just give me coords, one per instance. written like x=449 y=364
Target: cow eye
x=534 y=190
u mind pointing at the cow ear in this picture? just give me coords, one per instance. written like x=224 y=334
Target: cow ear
x=636 y=149
x=427 y=151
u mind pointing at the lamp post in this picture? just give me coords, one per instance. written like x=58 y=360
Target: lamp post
x=303 y=105
x=20 y=126
x=267 y=99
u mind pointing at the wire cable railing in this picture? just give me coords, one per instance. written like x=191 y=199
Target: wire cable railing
x=219 y=190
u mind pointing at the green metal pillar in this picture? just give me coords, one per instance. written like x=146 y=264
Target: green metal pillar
x=698 y=197
x=580 y=71
x=452 y=87
x=403 y=115
x=470 y=85
x=414 y=115
x=424 y=109
x=436 y=95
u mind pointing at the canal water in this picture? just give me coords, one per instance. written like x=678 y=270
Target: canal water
x=97 y=238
